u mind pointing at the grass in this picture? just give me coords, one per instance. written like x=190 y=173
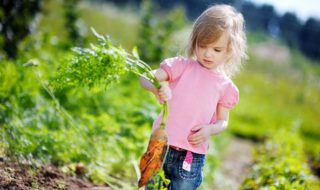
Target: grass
x=51 y=19
x=278 y=95
x=281 y=164
x=105 y=18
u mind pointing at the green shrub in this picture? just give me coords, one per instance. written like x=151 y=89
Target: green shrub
x=281 y=165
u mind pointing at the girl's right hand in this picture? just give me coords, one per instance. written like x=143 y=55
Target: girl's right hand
x=164 y=93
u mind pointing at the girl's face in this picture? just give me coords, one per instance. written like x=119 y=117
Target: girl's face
x=211 y=56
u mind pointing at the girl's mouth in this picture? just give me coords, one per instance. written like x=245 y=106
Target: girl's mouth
x=207 y=61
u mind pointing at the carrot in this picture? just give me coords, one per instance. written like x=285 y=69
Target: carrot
x=151 y=160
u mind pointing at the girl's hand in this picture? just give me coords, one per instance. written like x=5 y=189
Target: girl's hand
x=199 y=134
x=164 y=93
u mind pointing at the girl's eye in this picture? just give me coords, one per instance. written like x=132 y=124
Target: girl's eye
x=217 y=50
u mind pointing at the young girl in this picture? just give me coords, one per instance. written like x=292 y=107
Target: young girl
x=199 y=92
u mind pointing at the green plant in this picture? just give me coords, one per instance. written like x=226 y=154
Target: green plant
x=281 y=165
x=102 y=64
x=71 y=17
x=154 y=34
x=159 y=181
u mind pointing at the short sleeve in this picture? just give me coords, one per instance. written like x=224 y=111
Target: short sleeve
x=230 y=96
x=174 y=67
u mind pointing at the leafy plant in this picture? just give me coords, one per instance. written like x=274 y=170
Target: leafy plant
x=159 y=181
x=102 y=64
x=71 y=17
x=155 y=33
x=281 y=165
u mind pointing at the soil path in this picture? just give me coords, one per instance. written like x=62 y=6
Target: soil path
x=236 y=164
x=17 y=176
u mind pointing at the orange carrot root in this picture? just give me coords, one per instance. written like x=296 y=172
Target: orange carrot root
x=152 y=159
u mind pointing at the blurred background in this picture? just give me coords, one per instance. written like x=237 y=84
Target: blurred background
x=80 y=138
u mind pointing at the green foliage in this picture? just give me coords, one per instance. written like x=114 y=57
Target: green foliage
x=38 y=128
x=281 y=165
x=256 y=37
x=159 y=181
x=89 y=67
x=15 y=19
x=71 y=16
x=102 y=64
x=155 y=34
x=8 y=78
x=269 y=102
x=102 y=17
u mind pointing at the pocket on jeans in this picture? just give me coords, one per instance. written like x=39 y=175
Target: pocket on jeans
x=196 y=168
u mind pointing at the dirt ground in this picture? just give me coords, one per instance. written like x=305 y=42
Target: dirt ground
x=17 y=176
x=236 y=165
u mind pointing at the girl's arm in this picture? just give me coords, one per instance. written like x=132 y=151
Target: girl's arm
x=222 y=120
x=160 y=74
x=164 y=93
x=201 y=133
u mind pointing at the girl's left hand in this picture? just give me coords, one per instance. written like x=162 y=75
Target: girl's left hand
x=199 y=134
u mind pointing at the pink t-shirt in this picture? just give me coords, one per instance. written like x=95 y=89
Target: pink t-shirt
x=196 y=92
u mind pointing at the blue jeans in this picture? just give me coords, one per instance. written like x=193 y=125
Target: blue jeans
x=181 y=179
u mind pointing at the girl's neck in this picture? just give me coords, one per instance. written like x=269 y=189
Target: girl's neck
x=216 y=70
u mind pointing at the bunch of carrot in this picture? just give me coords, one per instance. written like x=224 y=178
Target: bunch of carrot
x=152 y=160
x=103 y=64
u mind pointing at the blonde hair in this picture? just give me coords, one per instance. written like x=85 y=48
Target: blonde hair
x=211 y=24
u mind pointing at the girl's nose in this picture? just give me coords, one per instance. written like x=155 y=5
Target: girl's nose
x=207 y=53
